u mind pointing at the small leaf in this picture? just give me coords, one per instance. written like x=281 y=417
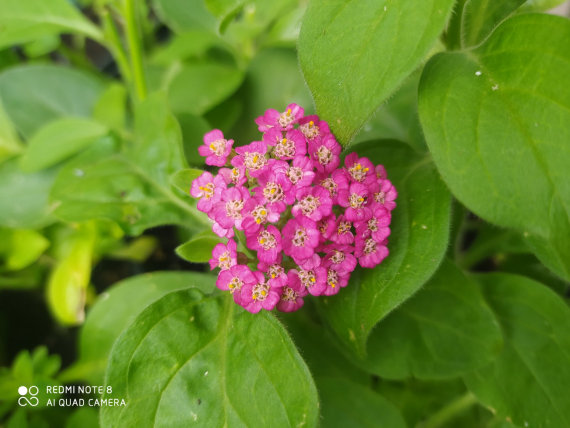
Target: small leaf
x=23 y=21
x=184 y=15
x=234 y=361
x=109 y=316
x=183 y=179
x=198 y=249
x=10 y=144
x=24 y=197
x=420 y=232
x=21 y=247
x=59 y=140
x=503 y=105
x=445 y=330
x=348 y=404
x=528 y=383
x=36 y=94
x=354 y=54
x=68 y=282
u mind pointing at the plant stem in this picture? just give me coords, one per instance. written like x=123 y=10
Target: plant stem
x=115 y=45
x=450 y=411
x=135 y=49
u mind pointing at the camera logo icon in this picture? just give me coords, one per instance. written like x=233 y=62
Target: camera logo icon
x=28 y=396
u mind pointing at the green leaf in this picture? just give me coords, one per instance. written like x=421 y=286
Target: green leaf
x=190 y=44
x=182 y=180
x=21 y=247
x=420 y=232
x=348 y=404
x=261 y=91
x=23 y=21
x=528 y=383
x=109 y=316
x=199 y=87
x=398 y=118
x=199 y=249
x=488 y=112
x=110 y=108
x=132 y=187
x=193 y=130
x=541 y=5
x=184 y=15
x=444 y=331
x=479 y=17
x=67 y=285
x=10 y=144
x=354 y=54
x=36 y=94
x=243 y=368
x=24 y=197
x=59 y=140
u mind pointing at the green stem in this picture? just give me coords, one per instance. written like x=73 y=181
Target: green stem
x=115 y=45
x=451 y=411
x=135 y=49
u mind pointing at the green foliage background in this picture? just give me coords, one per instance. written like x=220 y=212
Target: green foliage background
x=103 y=104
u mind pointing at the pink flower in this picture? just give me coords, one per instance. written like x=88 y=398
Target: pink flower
x=267 y=243
x=300 y=173
x=326 y=226
x=275 y=272
x=216 y=148
x=282 y=121
x=234 y=278
x=252 y=157
x=228 y=212
x=314 y=203
x=224 y=256
x=290 y=146
x=300 y=237
x=377 y=226
x=325 y=154
x=235 y=176
x=335 y=281
x=313 y=128
x=256 y=214
x=208 y=189
x=314 y=280
x=274 y=190
x=343 y=233
x=336 y=182
x=385 y=196
x=369 y=252
x=258 y=295
x=340 y=257
x=290 y=300
x=355 y=200
x=361 y=170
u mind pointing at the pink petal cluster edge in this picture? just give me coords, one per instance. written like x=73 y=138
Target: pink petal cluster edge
x=308 y=220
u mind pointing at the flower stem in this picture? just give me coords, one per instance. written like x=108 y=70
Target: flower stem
x=114 y=44
x=450 y=411
x=135 y=49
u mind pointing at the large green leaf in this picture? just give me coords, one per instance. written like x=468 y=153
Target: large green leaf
x=189 y=359
x=473 y=20
x=28 y=20
x=420 y=231
x=348 y=404
x=131 y=187
x=445 y=330
x=528 y=383
x=36 y=94
x=59 y=140
x=199 y=87
x=355 y=53
x=24 y=197
x=495 y=119
x=110 y=316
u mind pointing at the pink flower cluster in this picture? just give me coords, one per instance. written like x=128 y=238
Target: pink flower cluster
x=308 y=220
